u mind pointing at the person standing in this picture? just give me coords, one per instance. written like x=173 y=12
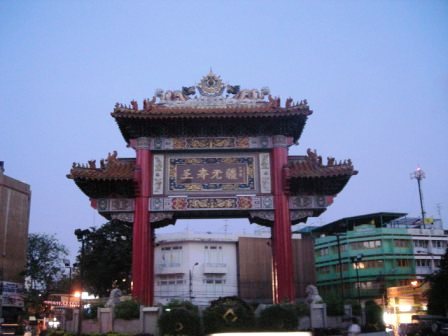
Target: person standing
x=354 y=329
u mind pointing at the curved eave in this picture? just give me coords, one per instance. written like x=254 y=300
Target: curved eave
x=322 y=185
x=217 y=122
x=106 y=188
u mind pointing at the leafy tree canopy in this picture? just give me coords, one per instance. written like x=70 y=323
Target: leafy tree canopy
x=438 y=292
x=107 y=257
x=45 y=264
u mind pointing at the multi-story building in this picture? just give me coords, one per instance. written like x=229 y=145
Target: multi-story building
x=360 y=257
x=202 y=267
x=15 y=199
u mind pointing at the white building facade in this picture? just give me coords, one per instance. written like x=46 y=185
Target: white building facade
x=198 y=267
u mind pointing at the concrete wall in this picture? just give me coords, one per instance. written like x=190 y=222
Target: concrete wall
x=15 y=199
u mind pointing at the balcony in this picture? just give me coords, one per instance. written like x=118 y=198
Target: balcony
x=218 y=268
x=423 y=270
x=171 y=268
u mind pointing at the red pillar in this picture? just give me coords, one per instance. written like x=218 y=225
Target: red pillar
x=142 y=244
x=283 y=275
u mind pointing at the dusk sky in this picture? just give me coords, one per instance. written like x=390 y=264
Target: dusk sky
x=375 y=73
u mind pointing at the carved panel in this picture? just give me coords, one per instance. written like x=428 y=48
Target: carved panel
x=210 y=203
x=143 y=143
x=279 y=141
x=207 y=143
x=265 y=173
x=115 y=205
x=157 y=177
x=124 y=217
x=160 y=216
x=300 y=214
x=308 y=202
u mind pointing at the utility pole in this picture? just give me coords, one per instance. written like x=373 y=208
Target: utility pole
x=81 y=235
x=191 y=281
x=419 y=175
x=341 y=279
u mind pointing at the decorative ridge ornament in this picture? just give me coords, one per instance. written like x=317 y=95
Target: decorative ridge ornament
x=211 y=85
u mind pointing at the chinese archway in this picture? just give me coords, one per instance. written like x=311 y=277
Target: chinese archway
x=212 y=151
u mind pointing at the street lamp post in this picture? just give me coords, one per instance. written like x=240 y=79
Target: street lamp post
x=419 y=175
x=81 y=235
x=67 y=265
x=356 y=260
x=191 y=281
x=341 y=278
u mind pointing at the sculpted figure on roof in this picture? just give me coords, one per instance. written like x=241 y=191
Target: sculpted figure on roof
x=252 y=94
x=173 y=95
x=211 y=92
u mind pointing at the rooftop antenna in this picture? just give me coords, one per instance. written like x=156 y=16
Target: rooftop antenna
x=439 y=212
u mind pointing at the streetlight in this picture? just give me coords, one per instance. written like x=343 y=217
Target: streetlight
x=419 y=175
x=341 y=278
x=191 y=281
x=67 y=265
x=81 y=235
x=356 y=260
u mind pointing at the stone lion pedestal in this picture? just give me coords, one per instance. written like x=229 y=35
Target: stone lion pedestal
x=318 y=309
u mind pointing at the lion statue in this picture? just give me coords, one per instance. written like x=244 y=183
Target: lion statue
x=312 y=295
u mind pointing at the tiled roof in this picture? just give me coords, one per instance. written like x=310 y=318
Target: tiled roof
x=110 y=169
x=161 y=111
x=114 y=177
x=311 y=166
x=307 y=175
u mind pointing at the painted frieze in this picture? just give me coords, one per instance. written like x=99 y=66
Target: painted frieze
x=243 y=202
x=214 y=173
x=207 y=143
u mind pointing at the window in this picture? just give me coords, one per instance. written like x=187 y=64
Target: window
x=342 y=247
x=323 y=251
x=403 y=262
x=214 y=283
x=171 y=256
x=438 y=244
x=402 y=243
x=422 y=262
x=371 y=264
x=344 y=267
x=171 y=283
x=213 y=254
x=368 y=244
x=324 y=269
x=421 y=243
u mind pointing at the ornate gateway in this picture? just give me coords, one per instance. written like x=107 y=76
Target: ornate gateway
x=212 y=151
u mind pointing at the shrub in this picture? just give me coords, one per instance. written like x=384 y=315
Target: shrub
x=302 y=309
x=182 y=304
x=91 y=312
x=335 y=304
x=127 y=310
x=179 y=321
x=280 y=317
x=374 y=316
x=228 y=314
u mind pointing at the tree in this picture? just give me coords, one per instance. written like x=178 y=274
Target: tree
x=107 y=257
x=44 y=266
x=438 y=291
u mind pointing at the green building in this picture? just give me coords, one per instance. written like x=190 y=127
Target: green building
x=358 y=258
